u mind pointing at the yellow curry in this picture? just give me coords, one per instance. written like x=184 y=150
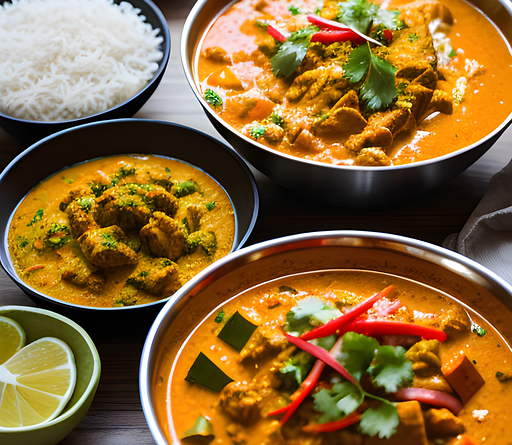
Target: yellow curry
x=120 y=230
x=349 y=357
x=356 y=82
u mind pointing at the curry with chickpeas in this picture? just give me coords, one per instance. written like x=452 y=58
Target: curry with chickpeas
x=356 y=82
x=349 y=357
x=120 y=231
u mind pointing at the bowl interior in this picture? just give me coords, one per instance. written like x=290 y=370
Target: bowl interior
x=38 y=323
x=121 y=137
x=461 y=278
x=29 y=131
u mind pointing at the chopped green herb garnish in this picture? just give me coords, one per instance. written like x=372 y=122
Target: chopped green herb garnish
x=502 y=377
x=213 y=98
x=413 y=37
x=57 y=235
x=308 y=313
x=376 y=75
x=277 y=119
x=202 y=427
x=452 y=54
x=237 y=331
x=292 y=52
x=97 y=188
x=261 y=24
x=478 y=330
x=294 y=10
x=22 y=241
x=361 y=15
x=108 y=241
x=67 y=180
x=219 y=318
x=210 y=205
x=185 y=188
x=37 y=217
x=85 y=203
x=381 y=421
x=206 y=373
x=299 y=364
x=257 y=131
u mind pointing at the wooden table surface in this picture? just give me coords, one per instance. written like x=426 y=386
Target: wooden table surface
x=116 y=415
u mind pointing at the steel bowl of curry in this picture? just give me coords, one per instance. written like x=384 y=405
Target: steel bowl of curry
x=354 y=103
x=333 y=337
x=120 y=214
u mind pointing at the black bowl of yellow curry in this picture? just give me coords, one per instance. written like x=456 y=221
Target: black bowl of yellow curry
x=118 y=215
x=333 y=338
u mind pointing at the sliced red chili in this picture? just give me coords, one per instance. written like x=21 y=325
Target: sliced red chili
x=388 y=34
x=328 y=36
x=276 y=34
x=306 y=388
x=332 y=326
x=332 y=426
x=321 y=354
x=375 y=328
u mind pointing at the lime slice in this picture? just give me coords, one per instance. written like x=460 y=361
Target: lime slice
x=36 y=383
x=12 y=338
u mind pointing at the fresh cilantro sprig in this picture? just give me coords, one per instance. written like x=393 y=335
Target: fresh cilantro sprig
x=298 y=365
x=376 y=75
x=387 y=368
x=308 y=313
x=361 y=15
x=292 y=52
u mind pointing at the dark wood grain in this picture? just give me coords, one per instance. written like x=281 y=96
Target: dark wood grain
x=116 y=416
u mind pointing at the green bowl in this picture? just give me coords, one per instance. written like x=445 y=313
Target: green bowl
x=38 y=323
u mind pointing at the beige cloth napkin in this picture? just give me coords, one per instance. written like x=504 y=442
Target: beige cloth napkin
x=487 y=235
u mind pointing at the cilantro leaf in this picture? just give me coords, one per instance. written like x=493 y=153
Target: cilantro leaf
x=391 y=369
x=326 y=343
x=361 y=15
x=299 y=364
x=357 y=14
x=377 y=75
x=357 y=353
x=339 y=401
x=382 y=421
x=294 y=10
x=308 y=313
x=292 y=52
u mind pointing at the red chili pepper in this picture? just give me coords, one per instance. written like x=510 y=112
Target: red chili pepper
x=431 y=397
x=375 y=328
x=276 y=34
x=332 y=326
x=328 y=36
x=332 y=426
x=321 y=354
x=307 y=386
x=388 y=34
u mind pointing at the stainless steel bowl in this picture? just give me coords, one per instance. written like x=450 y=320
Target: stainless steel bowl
x=115 y=137
x=28 y=131
x=425 y=263
x=354 y=186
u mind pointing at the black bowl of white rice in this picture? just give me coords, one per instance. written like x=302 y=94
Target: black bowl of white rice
x=70 y=62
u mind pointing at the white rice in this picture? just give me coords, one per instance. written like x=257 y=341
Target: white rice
x=65 y=59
